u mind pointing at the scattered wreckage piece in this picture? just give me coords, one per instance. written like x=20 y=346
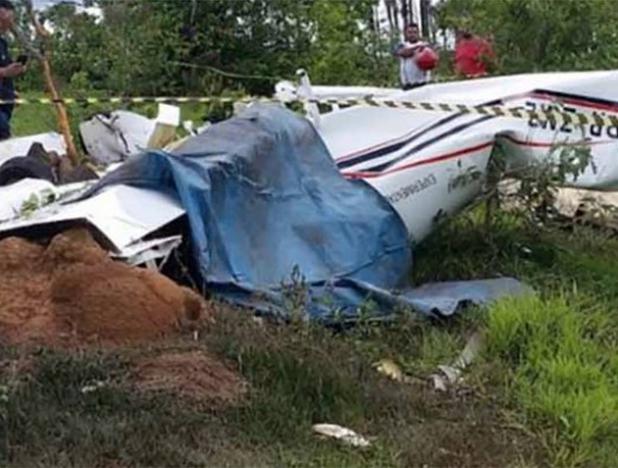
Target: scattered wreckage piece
x=118 y=135
x=390 y=369
x=120 y=217
x=598 y=209
x=153 y=253
x=569 y=206
x=343 y=434
x=446 y=376
x=451 y=374
x=104 y=138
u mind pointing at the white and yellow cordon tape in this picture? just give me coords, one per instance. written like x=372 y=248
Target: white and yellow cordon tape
x=553 y=115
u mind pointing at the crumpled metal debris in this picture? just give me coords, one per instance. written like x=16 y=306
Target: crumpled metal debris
x=39 y=187
x=116 y=216
x=451 y=374
x=154 y=253
x=118 y=135
x=345 y=435
x=97 y=385
x=587 y=206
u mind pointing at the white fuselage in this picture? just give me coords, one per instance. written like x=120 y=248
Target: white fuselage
x=431 y=164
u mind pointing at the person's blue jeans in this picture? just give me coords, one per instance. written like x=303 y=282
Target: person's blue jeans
x=5 y=124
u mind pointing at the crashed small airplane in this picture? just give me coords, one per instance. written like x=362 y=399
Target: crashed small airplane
x=337 y=195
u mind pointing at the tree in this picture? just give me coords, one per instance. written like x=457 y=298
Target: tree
x=173 y=46
x=78 y=44
x=343 y=52
x=541 y=35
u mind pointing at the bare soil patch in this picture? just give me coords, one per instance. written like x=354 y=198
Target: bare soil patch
x=71 y=292
x=193 y=375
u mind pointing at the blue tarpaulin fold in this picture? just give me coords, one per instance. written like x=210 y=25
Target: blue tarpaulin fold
x=264 y=199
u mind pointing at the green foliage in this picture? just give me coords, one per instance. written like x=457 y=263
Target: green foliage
x=36 y=201
x=541 y=35
x=174 y=47
x=539 y=181
x=171 y=46
x=344 y=53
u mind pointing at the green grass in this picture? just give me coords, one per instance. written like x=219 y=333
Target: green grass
x=562 y=372
x=552 y=357
x=298 y=377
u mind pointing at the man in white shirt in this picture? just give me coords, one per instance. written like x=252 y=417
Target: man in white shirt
x=411 y=76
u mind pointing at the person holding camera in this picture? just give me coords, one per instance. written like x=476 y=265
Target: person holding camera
x=8 y=68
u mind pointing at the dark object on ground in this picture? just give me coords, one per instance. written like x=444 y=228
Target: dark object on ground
x=39 y=164
x=16 y=169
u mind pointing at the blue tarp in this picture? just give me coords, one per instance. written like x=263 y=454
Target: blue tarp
x=264 y=199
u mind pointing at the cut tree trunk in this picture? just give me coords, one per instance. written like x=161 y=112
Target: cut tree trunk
x=61 y=112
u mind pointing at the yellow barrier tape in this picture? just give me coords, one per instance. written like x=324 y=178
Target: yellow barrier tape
x=577 y=118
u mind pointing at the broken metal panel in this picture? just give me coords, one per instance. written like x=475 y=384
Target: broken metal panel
x=153 y=253
x=116 y=136
x=121 y=214
x=31 y=206
x=166 y=123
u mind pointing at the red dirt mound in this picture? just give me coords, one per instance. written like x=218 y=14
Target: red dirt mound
x=193 y=375
x=71 y=291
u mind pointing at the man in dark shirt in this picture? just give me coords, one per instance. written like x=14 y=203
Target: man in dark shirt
x=8 y=69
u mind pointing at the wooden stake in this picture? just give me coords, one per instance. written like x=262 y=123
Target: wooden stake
x=61 y=112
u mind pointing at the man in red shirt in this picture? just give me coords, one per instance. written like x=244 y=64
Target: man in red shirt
x=472 y=55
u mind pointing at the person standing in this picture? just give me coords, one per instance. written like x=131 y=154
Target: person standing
x=473 y=55
x=411 y=75
x=8 y=69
